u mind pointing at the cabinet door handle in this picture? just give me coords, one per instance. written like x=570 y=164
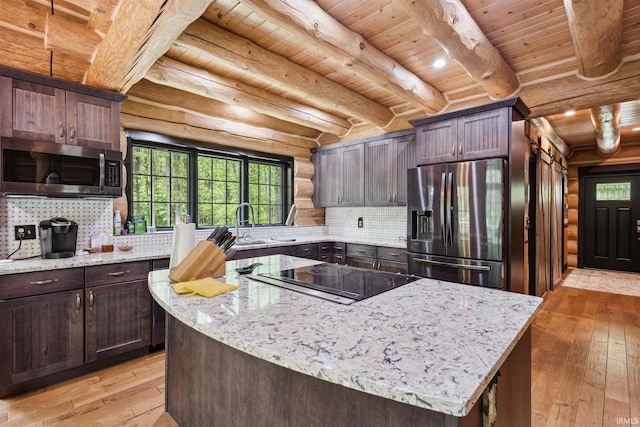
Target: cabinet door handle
x=43 y=282
x=60 y=131
x=306 y=249
x=72 y=133
x=92 y=300
x=453 y=150
x=361 y=251
x=78 y=302
x=118 y=273
x=459 y=149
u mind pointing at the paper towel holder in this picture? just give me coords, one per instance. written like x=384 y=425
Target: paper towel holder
x=292 y=215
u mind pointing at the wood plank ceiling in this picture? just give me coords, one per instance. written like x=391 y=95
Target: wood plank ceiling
x=287 y=75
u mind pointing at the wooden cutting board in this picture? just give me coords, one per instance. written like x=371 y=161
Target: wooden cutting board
x=205 y=260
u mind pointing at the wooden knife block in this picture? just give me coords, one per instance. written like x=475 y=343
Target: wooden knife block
x=205 y=260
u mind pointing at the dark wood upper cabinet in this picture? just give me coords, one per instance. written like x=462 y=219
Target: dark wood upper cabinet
x=340 y=176
x=473 y=133
x=42 y=108
x=372 y=173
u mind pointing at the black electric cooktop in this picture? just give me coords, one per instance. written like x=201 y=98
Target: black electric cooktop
x=339 y=283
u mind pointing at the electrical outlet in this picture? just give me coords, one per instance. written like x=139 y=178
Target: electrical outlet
x=25 y=232
x=360 y=223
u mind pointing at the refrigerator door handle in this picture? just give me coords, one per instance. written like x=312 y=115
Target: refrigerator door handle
x=460 y=266
x=443 y=208
x=450 y=208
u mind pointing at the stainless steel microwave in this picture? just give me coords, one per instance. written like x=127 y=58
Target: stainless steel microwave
x=35 y=167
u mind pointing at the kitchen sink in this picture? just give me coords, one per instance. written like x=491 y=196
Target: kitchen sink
x=250 y=242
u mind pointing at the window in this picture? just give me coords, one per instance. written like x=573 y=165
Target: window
x=160 y=185
x=170 y=178
x=613 y=191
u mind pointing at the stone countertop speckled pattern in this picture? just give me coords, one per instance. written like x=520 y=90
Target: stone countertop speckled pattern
x=146 y=253
x=429 y=343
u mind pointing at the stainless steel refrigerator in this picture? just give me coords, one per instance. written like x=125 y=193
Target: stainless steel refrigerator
x=456 y=222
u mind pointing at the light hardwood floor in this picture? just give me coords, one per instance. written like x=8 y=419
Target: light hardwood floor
x=585 y=372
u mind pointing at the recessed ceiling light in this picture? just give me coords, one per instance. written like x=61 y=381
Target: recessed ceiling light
x=439 y=63
x=570 y=113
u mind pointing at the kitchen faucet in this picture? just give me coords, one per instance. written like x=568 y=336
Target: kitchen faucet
x=238 y=221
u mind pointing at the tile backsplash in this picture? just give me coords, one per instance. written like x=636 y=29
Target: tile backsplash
x=385 y=223
x=93 y=216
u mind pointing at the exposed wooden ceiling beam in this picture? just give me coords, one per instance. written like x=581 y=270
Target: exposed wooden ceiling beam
x=245 y=57
x=142 y=31
x=606 y=123
x=310 y=22
x=165 y=95
x=23 y=18
x=172 y=73
x=552 y=96
x=142 y=108
x=596 y=29
x=195 y=133
x=70 y=37
x=451 y=25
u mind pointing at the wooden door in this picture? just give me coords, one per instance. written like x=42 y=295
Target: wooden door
x=557 y=224
x=612 y=222
x=484 y=135
x=352 y=175
x=39 y=336
x=118 y=319
x=32 y=111
x=405 y=158
x=378 y=174
x=543 y=224
x=92 y=122
x=437 y=142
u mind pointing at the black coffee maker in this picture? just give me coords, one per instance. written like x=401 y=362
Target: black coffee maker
x=58 y=238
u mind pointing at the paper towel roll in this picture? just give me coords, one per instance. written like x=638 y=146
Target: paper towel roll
x=184 y=240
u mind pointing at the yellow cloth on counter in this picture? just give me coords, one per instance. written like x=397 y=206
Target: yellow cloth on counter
x=207 y=287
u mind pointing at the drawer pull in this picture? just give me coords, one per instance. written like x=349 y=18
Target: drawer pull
x=361 y=251
x=118 y=273
x=337 y=248
x=43 y=282
x=394 y=254
x=306 y=249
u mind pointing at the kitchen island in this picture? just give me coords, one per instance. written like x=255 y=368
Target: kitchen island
x=421 y=354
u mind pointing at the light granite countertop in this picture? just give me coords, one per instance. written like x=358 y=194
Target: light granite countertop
x=84 y=259
x=431 y=344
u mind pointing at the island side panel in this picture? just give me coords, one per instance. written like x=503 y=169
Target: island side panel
x=208 y=382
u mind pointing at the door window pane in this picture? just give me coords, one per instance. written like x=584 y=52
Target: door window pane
x=613 y=191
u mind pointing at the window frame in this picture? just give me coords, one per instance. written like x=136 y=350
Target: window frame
x=193 y=149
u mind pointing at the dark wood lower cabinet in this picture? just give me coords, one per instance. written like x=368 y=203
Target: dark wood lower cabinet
x=61 y=323
x=40 y=336
x=118 y=319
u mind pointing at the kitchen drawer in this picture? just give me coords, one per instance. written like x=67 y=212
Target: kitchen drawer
x=339 y=248
x=392 y=254
x=366 y=251
x=40 y=282
x=325 y=248
x=339 y=258
x=116 y=273
x=309 y=250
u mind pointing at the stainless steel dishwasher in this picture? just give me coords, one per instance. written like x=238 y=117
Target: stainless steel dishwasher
x=158 y=315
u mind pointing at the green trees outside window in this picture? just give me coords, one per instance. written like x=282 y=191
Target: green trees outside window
x=168 y=182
